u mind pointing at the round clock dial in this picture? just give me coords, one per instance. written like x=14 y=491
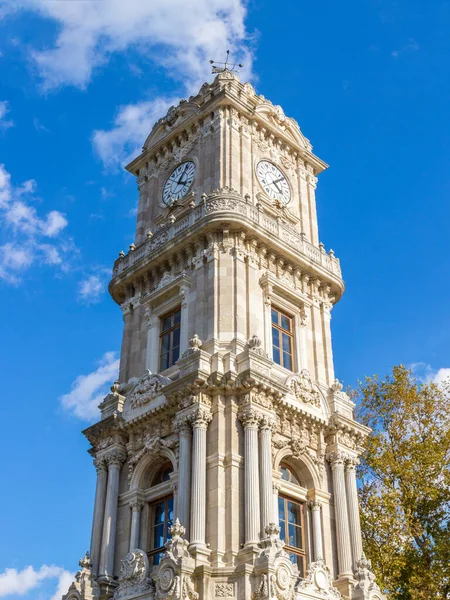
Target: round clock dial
x=273 y=181
x=179 y=182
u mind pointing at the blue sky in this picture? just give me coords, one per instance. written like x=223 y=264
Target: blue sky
x=80 y=86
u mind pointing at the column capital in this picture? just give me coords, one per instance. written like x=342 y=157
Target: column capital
x=100 y=464
x=201 y=418
x=351 y=463
x=336 y=459
x=315 y=504
x=115 y=457
x=182 y=424
x=267 y=423
x=249 y=417
x=136 y=505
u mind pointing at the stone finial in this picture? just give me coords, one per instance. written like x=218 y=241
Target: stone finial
x=177 y=530
x=115 y=388
x=149 y=235
x=85 y=562
x=254 y=342
x=331 y=253
x=121 y=254
x=336 y=386
x=195 y=343
x=132 y=247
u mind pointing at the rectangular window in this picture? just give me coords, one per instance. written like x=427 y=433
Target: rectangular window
x=291 y=515
x=169 y=339
x=161 y=518
x=282 y=339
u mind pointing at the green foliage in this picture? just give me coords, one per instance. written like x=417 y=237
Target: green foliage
x=405 y=484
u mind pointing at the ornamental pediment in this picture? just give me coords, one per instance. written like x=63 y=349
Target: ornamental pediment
x=286 y=125
x=174 y=117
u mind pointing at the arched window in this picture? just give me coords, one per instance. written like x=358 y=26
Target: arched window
x=291 y=514
x=161 y=517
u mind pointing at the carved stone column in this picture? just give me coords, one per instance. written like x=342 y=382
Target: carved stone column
x=99 y=510
x=265 y=438
x=337 y=460
x=184 y=474
x=136 y=508
x=184 y=322
x=250 y=420
x=114 y=459
x=276 y=490
x=200 y=421
x=353 y=510
x=316 y=507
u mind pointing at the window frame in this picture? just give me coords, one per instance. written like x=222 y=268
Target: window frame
x=152 y=552
x=299 y=552
x=282 y=331
x=164 y=333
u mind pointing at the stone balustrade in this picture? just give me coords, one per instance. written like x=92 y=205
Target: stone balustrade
x=223 y=203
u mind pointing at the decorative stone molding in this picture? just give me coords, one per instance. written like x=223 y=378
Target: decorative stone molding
x=303 y=389
x=147 y=388
x=84 y=587
x=319 y=580
x=224 y=590
x=133 y=576
x=153 y=444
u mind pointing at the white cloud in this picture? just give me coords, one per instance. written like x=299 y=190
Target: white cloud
x=89 y=390
x=4 y=110
x=91 y=289
x=131 y=125
x=13 y=582
x=34 y=237
x=178 y=35
x=425 y=372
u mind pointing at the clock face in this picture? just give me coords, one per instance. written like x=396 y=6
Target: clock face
x=179 y=182
x=273 y=181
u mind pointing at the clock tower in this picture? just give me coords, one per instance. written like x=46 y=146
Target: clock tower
x=226 y=450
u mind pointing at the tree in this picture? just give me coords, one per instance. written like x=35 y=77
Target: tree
x=405 y=484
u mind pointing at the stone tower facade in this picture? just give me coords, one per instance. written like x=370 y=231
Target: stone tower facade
x=226 y=451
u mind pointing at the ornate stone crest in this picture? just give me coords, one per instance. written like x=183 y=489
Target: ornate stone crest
x=319 y=579
x=153 y=444
x=147 y=388
x=133 y=575
x=303 y=388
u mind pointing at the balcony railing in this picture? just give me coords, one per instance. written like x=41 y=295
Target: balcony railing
x=216 y=204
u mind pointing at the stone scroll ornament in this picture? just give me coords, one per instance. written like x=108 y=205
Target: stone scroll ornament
x=303 y=388
x=133 y=576
x=147 y=388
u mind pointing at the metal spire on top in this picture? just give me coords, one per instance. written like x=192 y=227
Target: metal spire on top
x=221 y=67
